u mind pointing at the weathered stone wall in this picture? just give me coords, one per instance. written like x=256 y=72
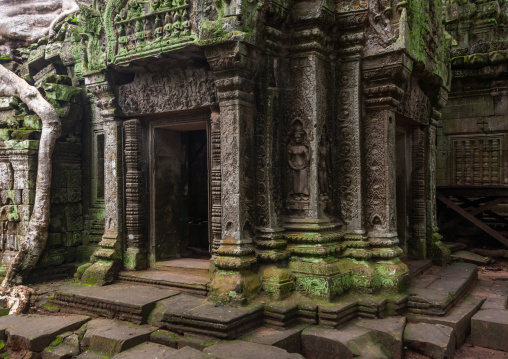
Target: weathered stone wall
x=305 y=101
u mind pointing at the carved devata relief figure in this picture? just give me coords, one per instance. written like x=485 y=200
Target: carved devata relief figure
x=380 y=16
x=298 y=160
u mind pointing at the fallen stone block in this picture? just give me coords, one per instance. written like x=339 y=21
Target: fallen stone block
x=35 y=332
x=489 y=329
x=389 y=332
x=111 y=337
x=240 y=349
x=349 y=342
x=65 y=346
x=433 y=340
x=459 y=318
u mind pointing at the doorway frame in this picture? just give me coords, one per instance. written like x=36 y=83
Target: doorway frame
x=171 y=122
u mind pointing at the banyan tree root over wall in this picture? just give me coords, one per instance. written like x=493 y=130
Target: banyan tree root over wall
x=32 y=247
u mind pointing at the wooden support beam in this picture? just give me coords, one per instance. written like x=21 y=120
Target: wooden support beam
x=471 y=218
x=476 y=211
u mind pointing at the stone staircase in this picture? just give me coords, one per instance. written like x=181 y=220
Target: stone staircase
x=170 y=323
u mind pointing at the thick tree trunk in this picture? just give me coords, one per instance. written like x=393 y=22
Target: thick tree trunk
x=32 y=247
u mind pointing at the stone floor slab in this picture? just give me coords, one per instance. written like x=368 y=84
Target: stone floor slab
x=433 y=340
x=189 y=353
x=35 y=332
x=146 y=351
x=289 y=339
x=240 y=349
x=111 y=337
x=489 y=329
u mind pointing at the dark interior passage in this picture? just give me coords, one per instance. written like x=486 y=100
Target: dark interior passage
x=180 y=193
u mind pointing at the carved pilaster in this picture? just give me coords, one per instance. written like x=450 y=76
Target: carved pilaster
x=234 y=65
x=383 y=76
x=417 y=246
x=271 y=247
x=107 y=257
x=435 y=248
x=350 y=165
x=136 y=253
x=216 y=177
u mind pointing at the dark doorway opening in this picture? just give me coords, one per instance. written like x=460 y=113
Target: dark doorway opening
x=180 y=187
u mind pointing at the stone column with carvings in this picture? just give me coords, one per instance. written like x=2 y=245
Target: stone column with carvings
x=135 y=256
x=271 y=247
x=311 y=224
x=383 y=77
x=234 y=66
x=435 y=248
x=107 y=258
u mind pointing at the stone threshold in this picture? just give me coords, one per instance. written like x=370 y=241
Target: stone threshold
x=184 y=282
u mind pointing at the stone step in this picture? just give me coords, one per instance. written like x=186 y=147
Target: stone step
x=184 y=282
x=458 y=318
x=197 y=267
x=194 y=314
x=437 y=292
x=240 y=349
x=110 y=337
x=433 y=340
x=35 y=332
x=130 y=302
x=146 y=351
x=489 y=329
x=349 y=342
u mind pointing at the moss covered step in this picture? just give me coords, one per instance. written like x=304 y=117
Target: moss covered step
x=130 y=302
x=185 y=282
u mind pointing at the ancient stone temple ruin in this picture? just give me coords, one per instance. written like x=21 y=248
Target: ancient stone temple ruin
x=287 y=145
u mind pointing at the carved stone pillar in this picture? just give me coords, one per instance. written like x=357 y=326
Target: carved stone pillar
x=135 y=256
x=311 y=228
x=234 y=65
x=216 y=176
x=271 y=247
x=417 y=246
x=435 y=248
x=383 y=76
x=107 y=258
